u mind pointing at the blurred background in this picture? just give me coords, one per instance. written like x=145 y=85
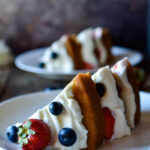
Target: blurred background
x=28 y=24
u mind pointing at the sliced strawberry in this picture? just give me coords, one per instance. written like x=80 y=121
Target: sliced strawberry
x=34 y=134
x=88 y=66
x=109 y=123
x=115 y=67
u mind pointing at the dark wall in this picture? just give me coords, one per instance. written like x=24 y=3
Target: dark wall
x=27 y=24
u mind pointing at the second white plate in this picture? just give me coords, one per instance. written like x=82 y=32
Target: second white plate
x=28 y=61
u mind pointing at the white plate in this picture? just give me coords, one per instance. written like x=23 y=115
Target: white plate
x=20 y=108
x=28 y=61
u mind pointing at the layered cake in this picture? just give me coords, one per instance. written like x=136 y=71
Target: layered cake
x=89 y=111
x=88 y=50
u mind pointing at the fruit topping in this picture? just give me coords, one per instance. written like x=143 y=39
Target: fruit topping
x=12 y=134
x=34 y=134
x=54 y=55
x=101 y=89
x=109 y=122
x=115 y=67
x=67 y=137
x=55 y=108
x=41 y=64
x=88 y=66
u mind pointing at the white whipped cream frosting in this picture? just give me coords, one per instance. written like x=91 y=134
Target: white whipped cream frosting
x=63 y=62
x=112 y=101
x=86 y=39
x=71 y=117
x=98 y=32
x=89 y=39
x=127 y=93
x=5 y=55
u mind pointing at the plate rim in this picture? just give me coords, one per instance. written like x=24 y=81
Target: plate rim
x=15 y=98
x=54 y=74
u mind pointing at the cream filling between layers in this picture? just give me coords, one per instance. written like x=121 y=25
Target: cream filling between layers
x=86 y=39
x=98 y=33
x=71 y=117
x=112 y=101
x=127 y=93
x=63 y=62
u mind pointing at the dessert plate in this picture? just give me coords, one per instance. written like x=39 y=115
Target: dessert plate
x=28 y=61
x=20 y=108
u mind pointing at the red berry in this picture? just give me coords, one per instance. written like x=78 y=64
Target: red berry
x=88 y=66
x=115 y=67
x=40 y=139
x=109 y=123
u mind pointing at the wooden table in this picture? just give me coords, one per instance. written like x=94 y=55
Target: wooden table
x=14 y=82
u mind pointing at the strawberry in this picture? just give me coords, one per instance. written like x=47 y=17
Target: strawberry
x=34 y=134
x=88 y=66
x=109 y=122
x=115 y=67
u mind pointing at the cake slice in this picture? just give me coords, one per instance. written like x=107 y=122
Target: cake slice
x=127 y=85
x=88 y=50
x=88 y=111
x=112 y=105
x=74 y=119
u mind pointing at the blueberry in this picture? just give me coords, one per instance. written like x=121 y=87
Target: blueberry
x=54 y=55
x=67 y=136
x=49 y=88
x=101 y=89
x=55 y=108
x=41 y=64
x=12 y=134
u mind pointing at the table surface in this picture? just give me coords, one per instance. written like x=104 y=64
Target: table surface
x=14 y=82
